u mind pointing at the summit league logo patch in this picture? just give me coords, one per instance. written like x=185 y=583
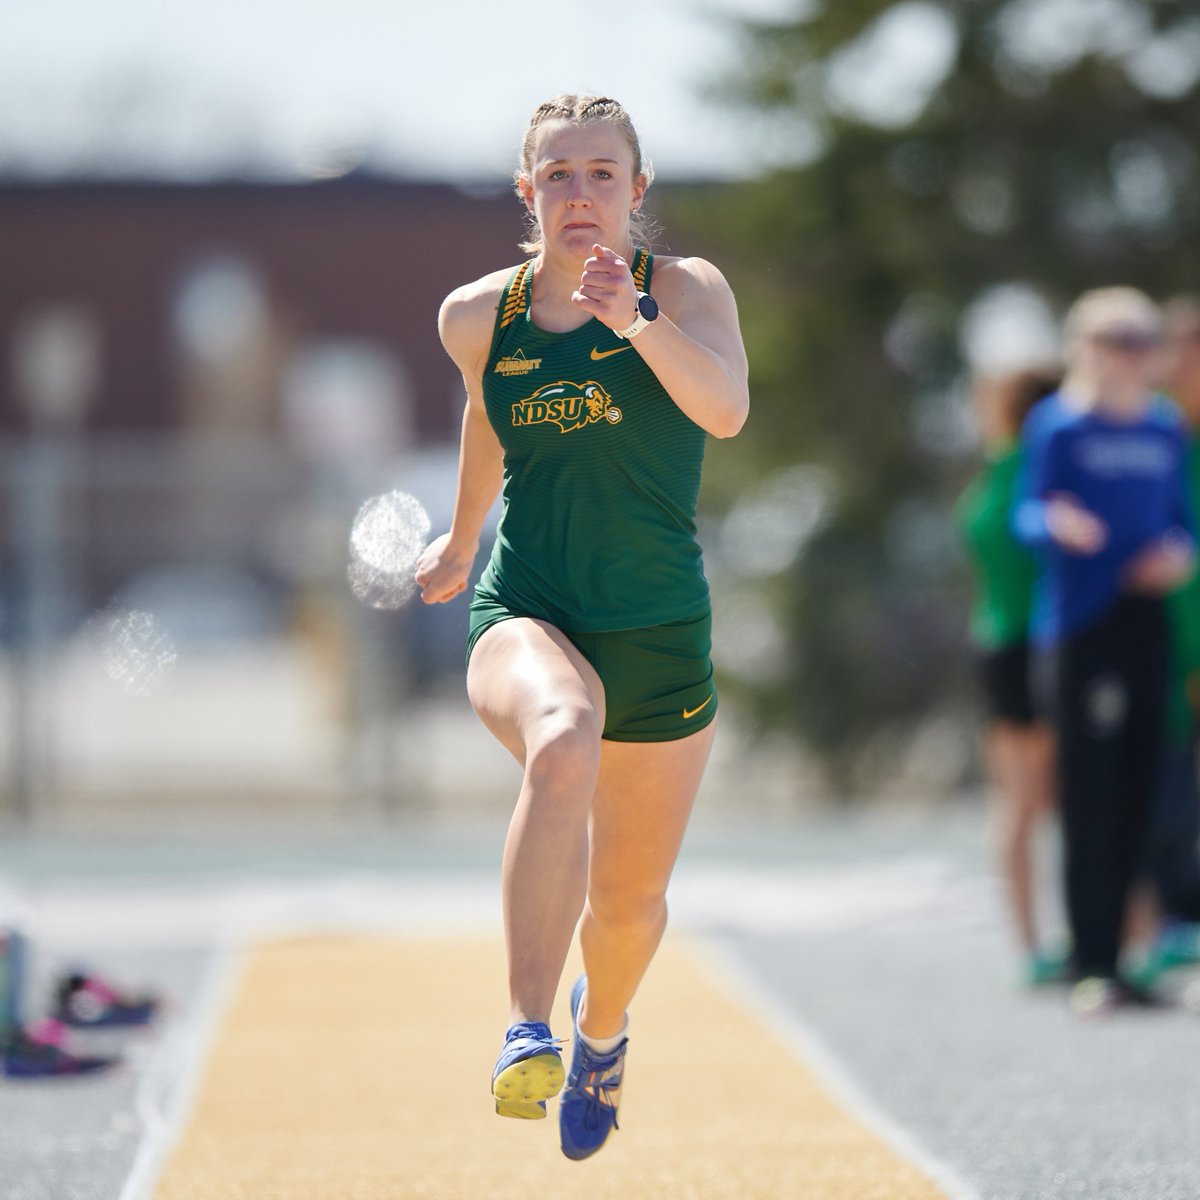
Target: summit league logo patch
x=567 y=405
x=517 y=364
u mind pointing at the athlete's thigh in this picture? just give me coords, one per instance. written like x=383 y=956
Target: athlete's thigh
x=640 y=811
x=524 y=670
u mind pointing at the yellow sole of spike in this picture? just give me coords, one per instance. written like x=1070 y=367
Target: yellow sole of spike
x=520 y=1090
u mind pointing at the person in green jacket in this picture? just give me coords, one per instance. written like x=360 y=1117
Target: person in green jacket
x=1018 y=746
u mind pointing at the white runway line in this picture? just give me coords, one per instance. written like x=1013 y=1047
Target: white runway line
x=167 y=1092
x=826 y=898
x=702 y=896
x=731 y=975
x=216 y=912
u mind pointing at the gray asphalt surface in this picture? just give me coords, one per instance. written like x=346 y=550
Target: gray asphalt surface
x=1024 y=1100
x=883 y=938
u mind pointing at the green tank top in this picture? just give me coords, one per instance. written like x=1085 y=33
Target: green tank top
x=601 y=476
x=1004 y=571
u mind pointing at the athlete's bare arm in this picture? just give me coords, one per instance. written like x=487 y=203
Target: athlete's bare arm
x=694 y=348
x=465 y=323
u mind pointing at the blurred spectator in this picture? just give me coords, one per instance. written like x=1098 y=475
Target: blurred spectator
x=1174 y=845
x=1103 y=497
x=1018 y=745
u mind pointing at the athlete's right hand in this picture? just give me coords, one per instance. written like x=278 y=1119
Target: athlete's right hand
x=1075 y=528
x=443 y=570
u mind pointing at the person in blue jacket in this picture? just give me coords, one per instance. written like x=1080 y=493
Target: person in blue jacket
x=1173 y=849
x=1103 y=499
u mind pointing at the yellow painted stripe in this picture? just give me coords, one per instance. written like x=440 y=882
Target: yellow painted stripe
x=355 y=1068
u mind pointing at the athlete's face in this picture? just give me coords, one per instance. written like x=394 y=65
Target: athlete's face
x=582 y=189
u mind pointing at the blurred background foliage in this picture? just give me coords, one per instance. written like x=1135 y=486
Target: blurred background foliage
x=933 y=158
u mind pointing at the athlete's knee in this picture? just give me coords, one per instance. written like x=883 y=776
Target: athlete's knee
x=626 y=910
x=563 y=749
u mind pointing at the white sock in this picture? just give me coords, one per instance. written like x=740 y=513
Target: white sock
x=606 y=1045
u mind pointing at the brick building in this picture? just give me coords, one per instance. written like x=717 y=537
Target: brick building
x=361 y=259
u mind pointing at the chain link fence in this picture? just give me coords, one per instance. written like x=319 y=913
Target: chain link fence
x=177 y=633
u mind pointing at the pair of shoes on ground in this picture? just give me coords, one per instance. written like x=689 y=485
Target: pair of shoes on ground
x=40 y=1049
x=530 y=1071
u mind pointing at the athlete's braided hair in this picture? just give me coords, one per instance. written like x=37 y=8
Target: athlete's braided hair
x=578 y=110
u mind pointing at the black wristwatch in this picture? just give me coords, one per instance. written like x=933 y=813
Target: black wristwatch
x=647 y=311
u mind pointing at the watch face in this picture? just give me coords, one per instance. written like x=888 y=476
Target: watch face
x=647 y=306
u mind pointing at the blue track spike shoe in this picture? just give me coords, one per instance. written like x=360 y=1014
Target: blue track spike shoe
x=587 y=1113
x=528 y=1072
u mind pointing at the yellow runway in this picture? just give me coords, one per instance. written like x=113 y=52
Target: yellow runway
x=358 y=1068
